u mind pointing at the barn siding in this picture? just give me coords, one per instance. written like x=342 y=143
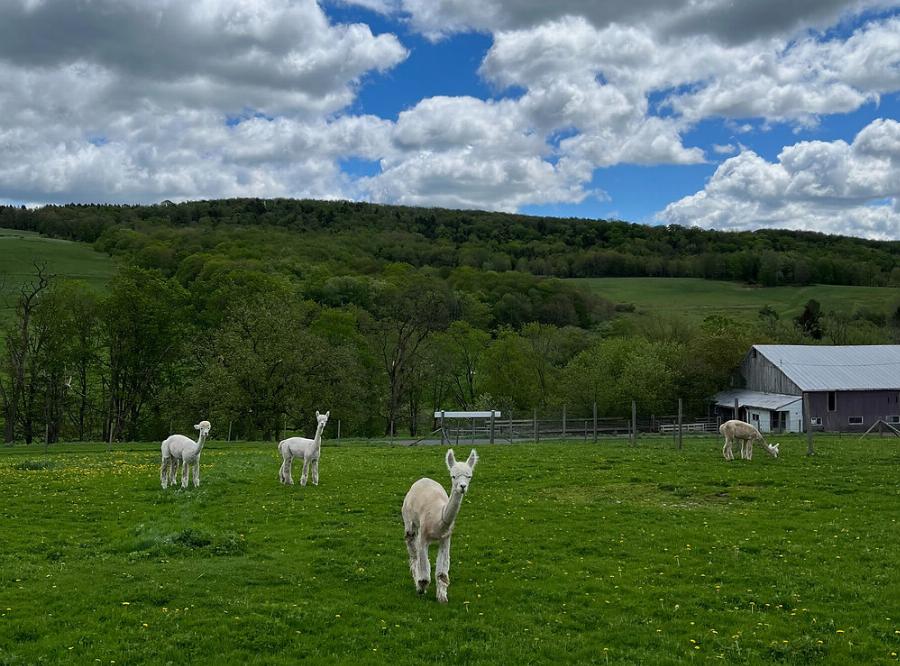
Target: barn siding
x=871 y=405
x=762 y=375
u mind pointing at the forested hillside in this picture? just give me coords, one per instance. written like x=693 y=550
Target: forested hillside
x=499 y=241
x=255 y=313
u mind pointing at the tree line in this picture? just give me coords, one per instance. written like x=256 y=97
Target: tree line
x=255 y=326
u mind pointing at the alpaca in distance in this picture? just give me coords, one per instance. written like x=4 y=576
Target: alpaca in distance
x=747 y=434
x=302 y=447
x=178 y=448
x=429 y=515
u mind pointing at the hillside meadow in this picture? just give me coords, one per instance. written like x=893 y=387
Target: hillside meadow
x=696 y=298
x=563 y=553
x=20 y=250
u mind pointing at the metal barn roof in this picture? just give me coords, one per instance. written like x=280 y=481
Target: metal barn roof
x=837 y=368
x=776 y=401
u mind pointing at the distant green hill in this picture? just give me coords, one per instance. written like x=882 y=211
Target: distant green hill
x=19 y=250
x=695 y=298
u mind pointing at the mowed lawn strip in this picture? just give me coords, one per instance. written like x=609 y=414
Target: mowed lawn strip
x=563 y=553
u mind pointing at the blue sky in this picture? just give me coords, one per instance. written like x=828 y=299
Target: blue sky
x=716 y=114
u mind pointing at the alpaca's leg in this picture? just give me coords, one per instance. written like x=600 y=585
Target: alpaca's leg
x=305 y=470
x=185 y=473
x=726 y=450
x=413 y=553
x=442 y=570
x=197 y=473
x=315 y=472
x=423 y=567
x=749 y=449
x=164 y=473
x=287 y=470
x=173 y=471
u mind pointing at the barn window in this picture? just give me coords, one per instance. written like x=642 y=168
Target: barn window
x=753 y=353
x=893 y=419
x=815 y=420
x=855 y=420
x=832 y=401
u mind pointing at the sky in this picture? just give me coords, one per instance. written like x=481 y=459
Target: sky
x=721 y=114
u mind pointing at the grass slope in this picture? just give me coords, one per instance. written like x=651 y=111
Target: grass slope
x=19 y=250
x=696 y=298
x=564 y=553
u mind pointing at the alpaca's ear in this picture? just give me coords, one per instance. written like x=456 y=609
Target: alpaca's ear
x=328 y=413
x=317 y=413
x=451 y=459
x=473 y=458
x=196 y=426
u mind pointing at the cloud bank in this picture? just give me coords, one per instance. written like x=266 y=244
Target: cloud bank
x=138 y=101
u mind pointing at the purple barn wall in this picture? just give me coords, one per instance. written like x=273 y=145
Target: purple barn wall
x=871 y=405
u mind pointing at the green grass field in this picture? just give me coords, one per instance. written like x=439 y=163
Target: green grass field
x=563 y=553
x=19 y=250
x=696 y=298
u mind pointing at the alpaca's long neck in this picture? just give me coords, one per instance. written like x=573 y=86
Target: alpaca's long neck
x=317 y=440
x=201 y=441
x=448 y=515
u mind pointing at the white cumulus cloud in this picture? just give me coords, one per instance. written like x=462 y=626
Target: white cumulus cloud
x=831 y=187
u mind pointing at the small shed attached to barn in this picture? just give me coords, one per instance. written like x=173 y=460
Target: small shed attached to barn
x=850 y=387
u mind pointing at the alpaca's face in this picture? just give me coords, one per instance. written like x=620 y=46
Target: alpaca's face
x=322 y=419
x=773 y=450
x=461 y=472
x=204 y=427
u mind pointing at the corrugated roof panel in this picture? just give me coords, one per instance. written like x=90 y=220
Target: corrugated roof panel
x=746 y=398
x=837 y=368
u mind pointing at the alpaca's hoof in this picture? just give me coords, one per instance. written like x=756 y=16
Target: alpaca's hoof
x=442 y=598
x=421 y=586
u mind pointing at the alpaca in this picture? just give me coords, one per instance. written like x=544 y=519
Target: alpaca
x=179 y=448
x=429 y=516
x=308 y=449
x=747 y=434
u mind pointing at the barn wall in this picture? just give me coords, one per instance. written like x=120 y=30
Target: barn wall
x=762 y=375
x=871 y=405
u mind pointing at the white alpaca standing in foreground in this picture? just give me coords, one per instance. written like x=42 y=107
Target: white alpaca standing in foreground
x=301 y=447
x=429 y=516
x=179 y=448
x=747 y=434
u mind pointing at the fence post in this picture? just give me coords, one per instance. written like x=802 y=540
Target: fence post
x=633 y=422
x=229 y=431
x=510 y=426
x=679 y=423
x=537 y=435
x=492 y=426
x=595 y=422
x=807 y=423
x=737 y=412
x=339 y=432
x=564 y=422
x=443 y=433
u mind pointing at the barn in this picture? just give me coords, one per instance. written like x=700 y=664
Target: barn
x=850 y=388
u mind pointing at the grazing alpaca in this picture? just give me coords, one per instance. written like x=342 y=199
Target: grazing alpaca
x=308 y=449
x=747 y=434
x=429 y=516
x=179 y=448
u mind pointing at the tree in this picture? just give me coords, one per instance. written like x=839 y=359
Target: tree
x=810 y=320
x=145 y=331
x=22 y=348
x=409 y=308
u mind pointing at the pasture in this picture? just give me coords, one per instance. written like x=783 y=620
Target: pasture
x=695 y=298
x=19 y=250
x=588 y=553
